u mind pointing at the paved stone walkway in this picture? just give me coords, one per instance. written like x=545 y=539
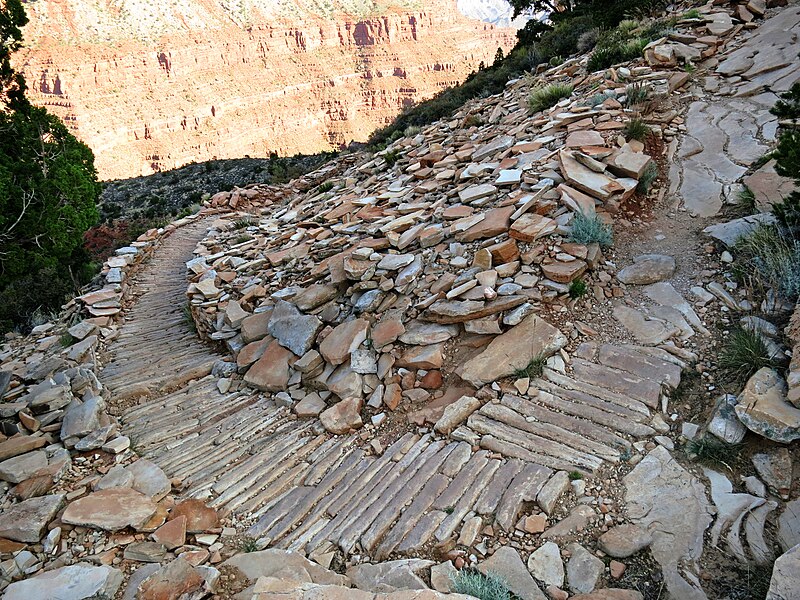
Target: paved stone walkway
x=730 y=127
x=308 y=490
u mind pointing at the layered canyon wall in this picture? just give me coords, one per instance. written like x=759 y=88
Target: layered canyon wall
x=151 y=87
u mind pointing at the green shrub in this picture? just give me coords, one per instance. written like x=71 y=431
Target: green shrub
x=648 y=177
x=473 y=121
x=48 y=193
x=484 y=587
x=575 y=475
x=787 y=159
x=534 y=368
x=769 y=259
x=713 y=451
x=590 y=229
x=391 y=157
x=324 y=187
x=242 y=223
x=636 y=129
x=745 y=204
x=636 y=93
x=411 y=131
x=692 y=14
x=577 y=288
x=744 y=353
x=543 y=98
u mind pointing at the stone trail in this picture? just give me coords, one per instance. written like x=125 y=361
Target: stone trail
x=310 y=491
x=731 y=128
x=156 y=351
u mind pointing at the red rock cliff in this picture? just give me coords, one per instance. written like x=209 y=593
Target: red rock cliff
x=155 y=90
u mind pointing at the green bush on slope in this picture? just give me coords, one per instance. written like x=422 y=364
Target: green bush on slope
x=48 y=194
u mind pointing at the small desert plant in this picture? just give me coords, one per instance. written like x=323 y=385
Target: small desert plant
x=691 y=14
x=636 y=129
x=66 y=340
x=590 y=229
x=767 y=258
x=712 y=450
x=556 y=61
x=577 y=288
x=535 y=368
x=648 y=177
x=618 y=52
x=326 y=186
x=588 y=40
x=188 y=318
x=745 y=203
x=744 y=353
x=484 y=587
x=575 y=475
x=249 y=544
x=596 y=100
x=473 y=121
x=636 y=93
x=391 y=157
x=241 y=239
x=242 y=223
x=543 y=98
x=411 y=131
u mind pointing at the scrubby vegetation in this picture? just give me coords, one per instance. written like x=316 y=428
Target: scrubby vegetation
x=48 y=195
x=744 y=353
x=577 y=288
x=636 y=129
x=767 y=258
x=787 y=157
x=590 y=229
x=648 y=177
x=483 y=587
x=545 y=97
x=577 y=26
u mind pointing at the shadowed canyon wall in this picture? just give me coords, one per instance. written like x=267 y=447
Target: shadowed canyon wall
x=152 y=87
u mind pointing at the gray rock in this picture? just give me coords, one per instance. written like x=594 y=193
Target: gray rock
x=149 y=479
x=546 y=566
x=293 y=330
x=785 y=581
x=670 y=502
x=763 y=408
x=730 y=232
x=724 y=423
x=267 y=563
x=389 y=576
x=82 y=418
x=75 y=582
x=774 y=466
x=46 y=397
x=442 y=576
x=789 y=525
x=456 y=413
x=26 y=521
x=117 y=476
x=20 y=468
x=624 y=540
x=550 y=493
x=507 y=564
x=647 y=268
x=583 y=570
x=420 y=333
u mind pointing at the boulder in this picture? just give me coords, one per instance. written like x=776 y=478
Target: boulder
x=345 y=338
x=199 y=517
x=27 y=520
x=624 y=540
x=533 y=338
x=111 y=510
x=546 y=565
x=75 y=582
x=763 y=408
x=389 y=576
x=270 y=373
x=342 y=416
x=293 y=329
x=671 y=504
x=269 y=563
x=507 y=564
x=785 y=581
x=647 y=268
x=583 y=569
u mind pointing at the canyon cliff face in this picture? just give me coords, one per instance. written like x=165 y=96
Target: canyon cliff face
x=151 y=87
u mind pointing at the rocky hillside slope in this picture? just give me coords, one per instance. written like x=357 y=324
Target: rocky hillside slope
x=155 y=87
